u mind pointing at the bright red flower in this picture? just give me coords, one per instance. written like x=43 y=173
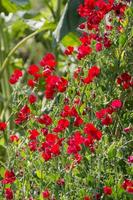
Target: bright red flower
x=83 y=51
x=48 y=61
x=93 y=72
x=46 y=194
x=127 y=184
x=92 y=131
x=46 y=155
x=9 y=177
x=55 y=149
x=107 y=190
x=15 y=76
x=62 y=85
x=61 y=126
x=116 y=103
x=8 y=194
x=33 y=134
x=3 y=126
x=33 y=69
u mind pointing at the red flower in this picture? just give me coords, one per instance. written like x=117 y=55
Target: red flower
x=55 y=149
x=107 y=190
x=46 y=194
x=48 y=61
x=62 y=125
x=33 y=69
x=32 y=98
x=107 y=120
x=130 y=159
x=15 y=76
x=92 y=131
x=68 y=50
x=93 y=72
x=23 y=115
x=83 y=51
x=116 y=103
x=14 y=138
x=31 y=83
x=61 y=182
x=9 y=177
x=33 y=134
x=87 y=198
x=45 y=119
x=46 y=155
x=3 y=126
x=128 y=185
x=98 y=47
x=8 y=194
x=32 y=145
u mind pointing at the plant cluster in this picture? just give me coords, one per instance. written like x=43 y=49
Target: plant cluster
x=71 y=135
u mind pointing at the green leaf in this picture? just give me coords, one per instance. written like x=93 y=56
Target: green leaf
x=7 y=6
x=69 y=20
x=18 y=28
x=122 y=39
x=40 y=174
x=112 y=151
x=3 y=154
x=12 y=6
x=70 y=40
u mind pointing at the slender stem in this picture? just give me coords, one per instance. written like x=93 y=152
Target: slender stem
x=15 y=48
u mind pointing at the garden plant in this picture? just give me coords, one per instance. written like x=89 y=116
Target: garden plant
x=66 y=116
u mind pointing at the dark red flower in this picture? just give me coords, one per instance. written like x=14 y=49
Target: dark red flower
x=32 y=99
x=23 y=114
x=32 y=145
x=3 y=126
x=61 y=182
x=107 y=120
x=99 y=47
x=68 y=50
x=8 y=194
x=45 y=119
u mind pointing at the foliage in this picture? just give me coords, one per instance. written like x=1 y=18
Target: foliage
x=66 y=122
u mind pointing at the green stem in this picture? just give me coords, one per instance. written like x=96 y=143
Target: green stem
x=15 y=48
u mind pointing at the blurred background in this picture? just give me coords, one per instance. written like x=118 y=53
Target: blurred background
x=29 y=29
